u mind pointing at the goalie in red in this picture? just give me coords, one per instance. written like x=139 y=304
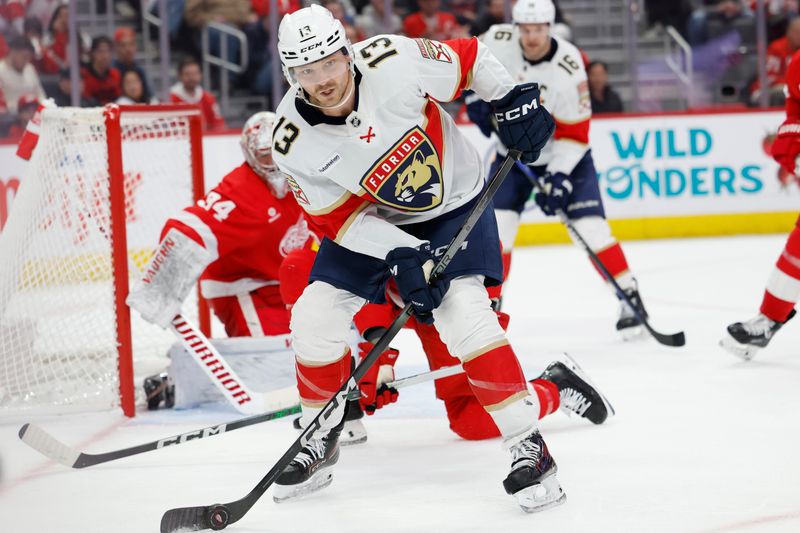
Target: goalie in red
x=234 y=240
x=744 y=339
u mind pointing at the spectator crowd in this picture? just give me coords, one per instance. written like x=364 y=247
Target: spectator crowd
x=34 y=38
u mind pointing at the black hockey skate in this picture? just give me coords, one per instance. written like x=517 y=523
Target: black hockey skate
x=578 y=394
x=311 y=469
x=354 y=431
x=628 y=324
x=532 y=479
x=744 y=339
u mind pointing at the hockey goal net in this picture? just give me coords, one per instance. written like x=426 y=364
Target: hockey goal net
x=83 y=226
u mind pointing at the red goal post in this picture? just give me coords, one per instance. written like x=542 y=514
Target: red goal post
x=85 y=223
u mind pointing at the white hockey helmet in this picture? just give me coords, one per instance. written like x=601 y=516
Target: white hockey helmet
x=308 y=35
x=534 y=12
x=256 y=143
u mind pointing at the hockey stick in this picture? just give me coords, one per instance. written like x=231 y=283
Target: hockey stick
x=44 y=443
x=219 y=516
x=673 y=339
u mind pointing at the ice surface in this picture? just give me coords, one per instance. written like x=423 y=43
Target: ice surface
x=702 y=442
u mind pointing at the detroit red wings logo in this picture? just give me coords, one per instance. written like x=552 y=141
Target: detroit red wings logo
x=295 y=237
x=408 y=176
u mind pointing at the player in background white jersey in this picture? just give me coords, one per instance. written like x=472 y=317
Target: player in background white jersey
x=565 y=170
x=373 y=159
x=782 y=292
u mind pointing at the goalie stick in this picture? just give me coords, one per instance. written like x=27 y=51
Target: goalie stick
x=44 y=443
x=223 y=377
x=667 y=339
x=219 y=516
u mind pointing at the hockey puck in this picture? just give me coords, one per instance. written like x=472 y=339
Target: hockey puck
x=218 y=516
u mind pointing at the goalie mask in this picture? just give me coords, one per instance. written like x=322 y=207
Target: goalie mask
x=305 y=38
x=256 y=143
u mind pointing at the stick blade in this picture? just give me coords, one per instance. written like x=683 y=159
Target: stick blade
x=49 y=446
x=185 y=519
x=675 y=339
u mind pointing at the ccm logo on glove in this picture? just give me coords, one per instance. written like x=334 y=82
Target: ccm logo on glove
x=513 y=114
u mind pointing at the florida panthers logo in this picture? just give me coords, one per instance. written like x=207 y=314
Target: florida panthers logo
x=408 y=176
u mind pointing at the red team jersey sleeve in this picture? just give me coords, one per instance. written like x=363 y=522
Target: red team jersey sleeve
x=793 y=89
x=246 y=230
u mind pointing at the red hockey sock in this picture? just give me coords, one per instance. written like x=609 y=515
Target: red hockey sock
x=317 y=383
x=496 y=377
x=613 y=258
x=549 y=398
x=783 y=286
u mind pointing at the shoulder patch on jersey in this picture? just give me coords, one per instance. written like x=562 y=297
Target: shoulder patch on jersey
x=299 y=195
x=433 y=50
x=408 y=176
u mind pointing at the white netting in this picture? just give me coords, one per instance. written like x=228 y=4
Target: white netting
x=58 y=340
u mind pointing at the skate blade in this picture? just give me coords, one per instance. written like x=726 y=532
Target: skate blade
x=744 y=352
x=320 y=480
x=353 y=432
x=575 y=367
x=541 y=496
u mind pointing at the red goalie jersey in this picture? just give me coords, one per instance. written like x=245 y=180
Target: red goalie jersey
x=247 y=231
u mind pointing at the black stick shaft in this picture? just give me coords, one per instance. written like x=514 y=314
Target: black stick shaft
x=220 y=516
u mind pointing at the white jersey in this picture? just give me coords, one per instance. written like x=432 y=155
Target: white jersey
x=398 y=158
x=561 y=76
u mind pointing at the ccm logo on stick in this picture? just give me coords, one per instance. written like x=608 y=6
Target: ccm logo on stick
x=515 y=113
x=192 y=435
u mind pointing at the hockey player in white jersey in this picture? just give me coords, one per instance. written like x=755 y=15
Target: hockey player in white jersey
x=377 y=163
x=565 y=170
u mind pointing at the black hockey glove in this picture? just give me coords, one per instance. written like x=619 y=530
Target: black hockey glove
x=553 y=193
x=411 y=268
x=480 y=113
x=522 y=122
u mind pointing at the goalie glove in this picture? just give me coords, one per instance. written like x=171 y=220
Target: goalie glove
x=375 y=394
x=167 y=280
